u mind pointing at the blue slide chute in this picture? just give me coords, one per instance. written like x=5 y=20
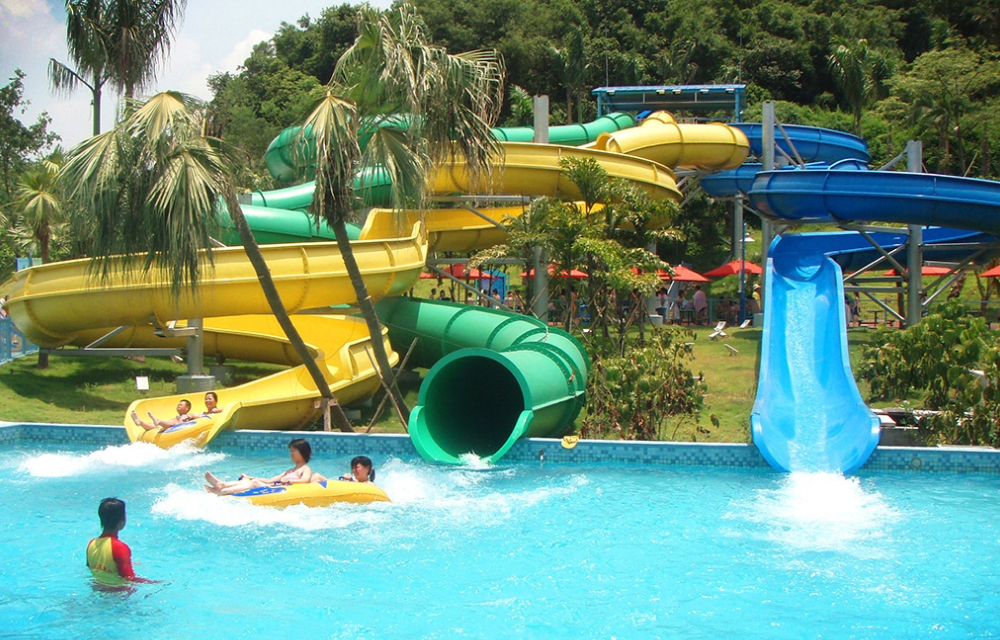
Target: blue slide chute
x=808 y=415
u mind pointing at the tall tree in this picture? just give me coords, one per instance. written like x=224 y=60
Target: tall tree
x=152 y=185
x=442 y=107
x=570 y=65
x=121 y=42
x=860 y=74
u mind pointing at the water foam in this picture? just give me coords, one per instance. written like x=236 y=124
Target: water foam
x=457 y=495
x=183 y=503
x=823 y=512
x=130 y=456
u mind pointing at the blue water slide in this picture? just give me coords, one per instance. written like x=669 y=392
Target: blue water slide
x=808 y=415
x=834 y=195
x=813 y=143
x=852 y=251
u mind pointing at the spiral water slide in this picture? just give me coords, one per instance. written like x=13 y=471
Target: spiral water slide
x=64 y=304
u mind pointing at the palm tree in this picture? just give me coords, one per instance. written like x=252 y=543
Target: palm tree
x=860 y=73
x=121 y=42
x=442 y=106
x=138 y=35
x=39 y=205
x=152 y=186
x=88 y=51
x=570 y=63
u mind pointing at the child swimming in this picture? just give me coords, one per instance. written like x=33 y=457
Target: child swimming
x=108 y=558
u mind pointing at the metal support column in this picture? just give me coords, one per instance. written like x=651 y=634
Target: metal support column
x=195 y=380
x=540 y=261
x=740 y=253
x=914 y=246
x=767 y=162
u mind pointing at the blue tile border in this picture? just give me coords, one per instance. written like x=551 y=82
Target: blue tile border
x=586 y=452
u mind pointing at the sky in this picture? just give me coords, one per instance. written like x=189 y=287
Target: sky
x=215 y=35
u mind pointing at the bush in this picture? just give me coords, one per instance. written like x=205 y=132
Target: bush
x=631 y=397
x=941 y=357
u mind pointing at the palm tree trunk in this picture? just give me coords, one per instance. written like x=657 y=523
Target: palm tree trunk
x=569 y=107
x=281 y=315
x=97 y=106
x=43 y=250
x=370 y=316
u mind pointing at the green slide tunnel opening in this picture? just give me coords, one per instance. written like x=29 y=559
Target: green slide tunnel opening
x=472 y=403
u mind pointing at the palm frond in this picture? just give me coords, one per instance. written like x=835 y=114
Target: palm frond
x=333 y=126
x=151 y=187
x=63 y=80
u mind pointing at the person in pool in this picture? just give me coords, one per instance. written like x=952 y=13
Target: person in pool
x=211 y=404
x=183 y=415
x=300 y=452
x=361 y=471
x=108 y=558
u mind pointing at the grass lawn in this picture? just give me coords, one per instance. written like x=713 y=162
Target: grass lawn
x=98 y=390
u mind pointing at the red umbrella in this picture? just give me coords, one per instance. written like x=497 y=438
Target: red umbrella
x=574 y=274
x=924 y=271
x=992 y=273
x=461 y=272
x=733 y=268
x=681 y=274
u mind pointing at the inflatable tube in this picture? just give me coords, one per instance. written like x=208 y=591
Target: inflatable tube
x=197 y=431
x=314 y=494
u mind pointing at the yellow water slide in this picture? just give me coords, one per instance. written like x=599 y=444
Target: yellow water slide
x=703 y=147
x=65 y=304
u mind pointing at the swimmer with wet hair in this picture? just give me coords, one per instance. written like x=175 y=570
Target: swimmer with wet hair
x=299 y=450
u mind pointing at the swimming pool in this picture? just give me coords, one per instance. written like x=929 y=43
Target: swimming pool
x=524 y=550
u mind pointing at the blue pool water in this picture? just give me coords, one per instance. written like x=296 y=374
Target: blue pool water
x=525 y=551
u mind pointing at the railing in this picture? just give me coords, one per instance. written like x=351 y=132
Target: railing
x=12 y=343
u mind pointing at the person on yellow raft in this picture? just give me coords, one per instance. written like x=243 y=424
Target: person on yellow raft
x=300 y=452
x=299 y=485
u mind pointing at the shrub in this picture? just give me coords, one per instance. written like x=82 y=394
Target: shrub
x=632 y=396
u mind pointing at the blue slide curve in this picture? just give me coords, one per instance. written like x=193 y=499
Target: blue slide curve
x=808 y=414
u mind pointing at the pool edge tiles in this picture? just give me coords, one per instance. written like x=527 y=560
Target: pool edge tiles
x=733 y=455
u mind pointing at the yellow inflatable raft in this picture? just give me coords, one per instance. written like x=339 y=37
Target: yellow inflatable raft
x=196 y=430
x=315 y=494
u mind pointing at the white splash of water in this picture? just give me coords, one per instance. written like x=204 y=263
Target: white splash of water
x=454 y=494
x=824 y=512
x=184 y=503
x=130 y=456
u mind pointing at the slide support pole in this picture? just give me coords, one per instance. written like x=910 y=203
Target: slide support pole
x=914 y=247
x=540 y=263
x=768 y=164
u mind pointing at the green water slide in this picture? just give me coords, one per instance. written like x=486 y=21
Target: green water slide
x=279 y=216
x=280 y=226
x=495 y=377
x=286 y=155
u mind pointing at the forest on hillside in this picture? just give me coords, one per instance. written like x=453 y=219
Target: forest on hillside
x=889 y=70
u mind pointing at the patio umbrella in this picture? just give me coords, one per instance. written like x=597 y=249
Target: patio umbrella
x=924 y=271
x=574 y=274
x=461 y=272
x=682 y=274
x=992 y=273
x=733 y=268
